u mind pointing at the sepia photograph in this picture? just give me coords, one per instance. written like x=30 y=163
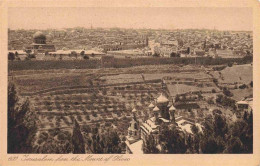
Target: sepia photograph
x=130 y=80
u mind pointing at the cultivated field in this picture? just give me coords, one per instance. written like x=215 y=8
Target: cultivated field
x=105 y=97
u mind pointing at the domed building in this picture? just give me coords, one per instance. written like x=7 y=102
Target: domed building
x=39 y=45
x=39 y=38
x=161 y=112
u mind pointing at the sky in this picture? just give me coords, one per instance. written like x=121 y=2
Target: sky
x=131 y=17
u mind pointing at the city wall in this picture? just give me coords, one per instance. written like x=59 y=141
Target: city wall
x=119 y=63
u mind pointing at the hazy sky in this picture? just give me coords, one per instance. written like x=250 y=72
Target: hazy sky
x=165 y=18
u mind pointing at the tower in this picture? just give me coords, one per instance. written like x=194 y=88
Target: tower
x=172 y=110
x=156 y=115
x=133 y=129
x=162 y=103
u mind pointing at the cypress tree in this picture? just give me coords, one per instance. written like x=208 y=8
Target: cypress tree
x=77 y=139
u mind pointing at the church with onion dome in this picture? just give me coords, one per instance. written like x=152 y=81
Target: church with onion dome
x=39 y=45
x=161 y=112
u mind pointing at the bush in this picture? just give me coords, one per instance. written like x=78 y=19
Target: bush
x=210 y=101
x=31 y=56
x=156 y=54
x=174 y=54
x=242 y=86
x=86 y=57
x=226 y=101
x=62 y=136
x=11 y=56
x=227 y=92
x=251 y=84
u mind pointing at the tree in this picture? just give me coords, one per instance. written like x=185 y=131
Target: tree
x=251 y=84
x=230 y=64
x=74 y=53
x=188 y=50
x=227 y=92
x=197 y=142
x=245 y=116
x=174 y=54
x=172 y=140
x=21 y=124
x=111 y=142
x=82 y=53
x=220 y=125
x=31 y=56
x=194 y=129
x=11 y=56
x=209 y=145
x=156 y=54
x=177 y=98
x=104 y=141
x=235 y=145
x=149 y=145
x=243 y=86
x=77 y=139
x=92 y=55
x=86 y=57
x=213 y=91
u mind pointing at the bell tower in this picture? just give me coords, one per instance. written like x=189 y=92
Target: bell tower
x=133 y=129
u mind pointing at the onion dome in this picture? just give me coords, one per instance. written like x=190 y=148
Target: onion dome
x=151 y=105
x=134 y=110
x=172 y=108
x=162 y=99
x=156 y=109
x=169 y=105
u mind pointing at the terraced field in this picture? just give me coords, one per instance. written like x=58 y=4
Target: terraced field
x=105 y=97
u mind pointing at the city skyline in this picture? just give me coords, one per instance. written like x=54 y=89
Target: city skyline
x=237 y=19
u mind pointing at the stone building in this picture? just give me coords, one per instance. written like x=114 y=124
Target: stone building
x=39 y=45
x=161 y=112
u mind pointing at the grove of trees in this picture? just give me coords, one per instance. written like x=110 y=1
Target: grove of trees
x=217 y=136
x=22 y=125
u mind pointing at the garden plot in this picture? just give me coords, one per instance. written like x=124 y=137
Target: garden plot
x=122 y=78
x=240 y=94
x=186 y=75
x=237 y=73
x=182 y=88
x=34 y=84
x=96 y=106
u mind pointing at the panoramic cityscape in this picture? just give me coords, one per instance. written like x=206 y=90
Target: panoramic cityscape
x=98 y=87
